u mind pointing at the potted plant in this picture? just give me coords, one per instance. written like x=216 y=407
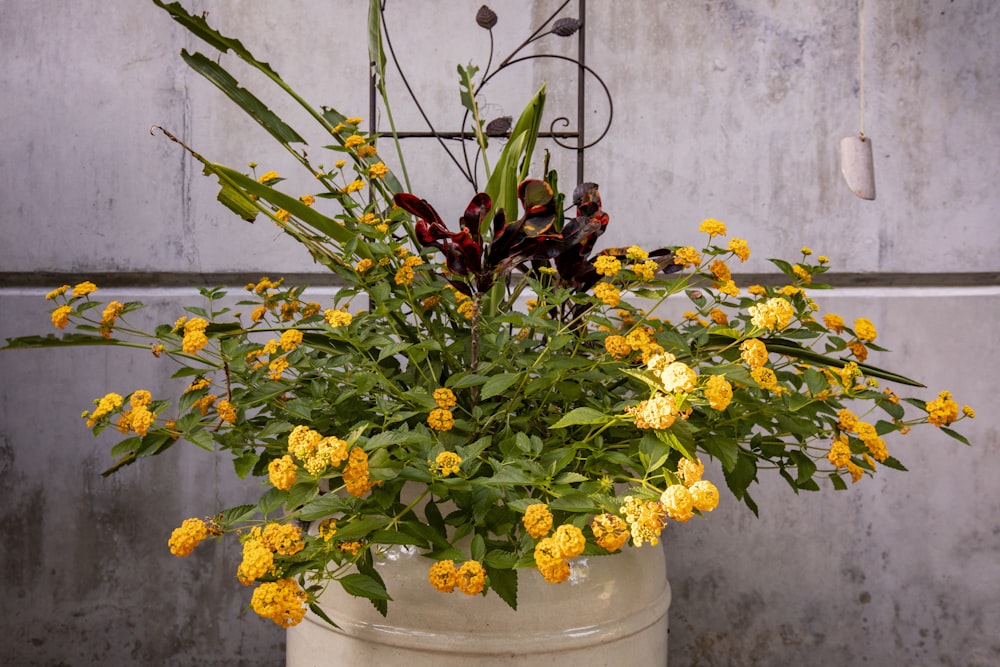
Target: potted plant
x=493 y=402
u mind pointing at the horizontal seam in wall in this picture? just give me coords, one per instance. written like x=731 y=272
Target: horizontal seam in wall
x=149 y=279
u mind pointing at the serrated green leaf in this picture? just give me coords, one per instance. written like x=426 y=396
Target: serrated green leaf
x=363 y=586
x=322 y=507
x=503 y=582
x=582 y=416
x=573 y=502
x=497 y=384
x=245 y=463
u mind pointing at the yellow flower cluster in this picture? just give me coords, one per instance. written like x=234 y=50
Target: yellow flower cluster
x=57 y=292
x=739 y=248
x=537 y=520
x=444 y=397
x=315 y=451
x=227 y=411
x=678 y=377
x=773 y=314
x=470 y=578
x=690 y=471
x=194 y=335
x=378 y=170
x=260 y=547
x=108 y=317
x=327 y=529
x=607 y=293
x=646 y=519
x=678 y=503
x=281 y=601
x=646 y=270
x=765 y=378
x=942 y=410
x=687 y=256
x=441 y=419
x=834 y=322
x=865 y=330
x=753 y=352
x=658 y=413
x=447 y=463
x=336 y=317
x=138 y=417
x=720 y=271
x=283 y=472
x=356 y=478
x=802 y=273
x=617 y=346
x=290 y=339
x=84 y=288
x=712 y=227
x=635 y=253
x=607 y=265
x=718 y=392
x=108 y=403
x=60 y=316
x=552 y=554
x=610 y=531
x=840 y=456
x=185 y=538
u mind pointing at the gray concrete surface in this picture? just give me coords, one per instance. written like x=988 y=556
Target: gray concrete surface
x=730 y=109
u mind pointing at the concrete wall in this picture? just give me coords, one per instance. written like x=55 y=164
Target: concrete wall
x=730 y=109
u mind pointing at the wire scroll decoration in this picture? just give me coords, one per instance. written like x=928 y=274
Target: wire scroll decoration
x=566 y=137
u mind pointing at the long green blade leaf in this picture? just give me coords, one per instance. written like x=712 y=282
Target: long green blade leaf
x=246 y=100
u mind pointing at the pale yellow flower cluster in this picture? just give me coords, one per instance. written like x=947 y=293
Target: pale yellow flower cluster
x=646 y=519
x=774 y=314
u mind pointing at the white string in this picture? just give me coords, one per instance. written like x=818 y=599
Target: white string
x=861 y=63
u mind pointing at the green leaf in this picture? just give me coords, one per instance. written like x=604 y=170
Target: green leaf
x=579 y=416
x=743 y=474
x=324 y=506
x=574 y=502
x=503 y=582
x=242 y=97
x=671 y=439
x=503 y=182
x=66 y=340
x=316 y=609
x=478 y=547
x=245 y=463
x=955 y=434
x=497 y=384
x=202 y=438
x=300 y=494
x=376 y=54
x=363 y=586
x=234 y=515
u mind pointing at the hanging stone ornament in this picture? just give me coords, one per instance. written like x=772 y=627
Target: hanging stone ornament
x=856 y=152
x=856 y=165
